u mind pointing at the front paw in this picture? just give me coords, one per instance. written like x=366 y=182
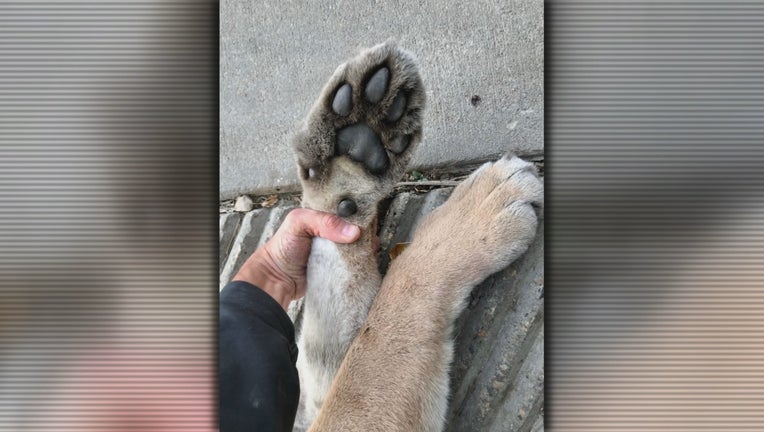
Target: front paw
x=361 y=133
x=489 y=220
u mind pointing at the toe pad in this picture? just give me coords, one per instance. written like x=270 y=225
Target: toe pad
x=377 y=85
x=397 y=108
x=399 y=144
x=343 y=100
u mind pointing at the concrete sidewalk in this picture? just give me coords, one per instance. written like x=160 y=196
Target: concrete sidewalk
x=482 y=63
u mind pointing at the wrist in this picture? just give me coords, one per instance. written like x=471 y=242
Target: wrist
x=260 y=271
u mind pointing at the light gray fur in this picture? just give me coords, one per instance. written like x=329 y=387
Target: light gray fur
x=334 y=309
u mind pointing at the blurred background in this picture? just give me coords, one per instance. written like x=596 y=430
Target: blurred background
x=655 y=215
x=108 y=162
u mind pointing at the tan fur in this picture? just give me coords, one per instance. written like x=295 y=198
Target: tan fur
x=402 y=352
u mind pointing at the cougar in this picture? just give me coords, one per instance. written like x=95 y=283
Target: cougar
x=374 y=354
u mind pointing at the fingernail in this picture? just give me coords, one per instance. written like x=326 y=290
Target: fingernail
x=350 y=231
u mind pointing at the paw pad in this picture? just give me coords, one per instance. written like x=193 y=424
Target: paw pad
x=399 y=144
x=346 y=208
x=360 y=141
x=396 y=109
x=343 y=101
x=377 y=85
x=362 y=144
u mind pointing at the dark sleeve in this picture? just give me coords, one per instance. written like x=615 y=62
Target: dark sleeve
x=259 y=387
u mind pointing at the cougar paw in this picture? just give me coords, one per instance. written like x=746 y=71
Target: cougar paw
x=488 y=221
x=361 y=132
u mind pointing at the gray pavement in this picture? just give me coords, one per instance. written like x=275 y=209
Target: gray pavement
x=276 y=55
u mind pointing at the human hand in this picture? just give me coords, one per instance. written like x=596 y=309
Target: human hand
x=278 y=268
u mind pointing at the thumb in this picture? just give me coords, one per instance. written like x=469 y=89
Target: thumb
x=313 y=223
